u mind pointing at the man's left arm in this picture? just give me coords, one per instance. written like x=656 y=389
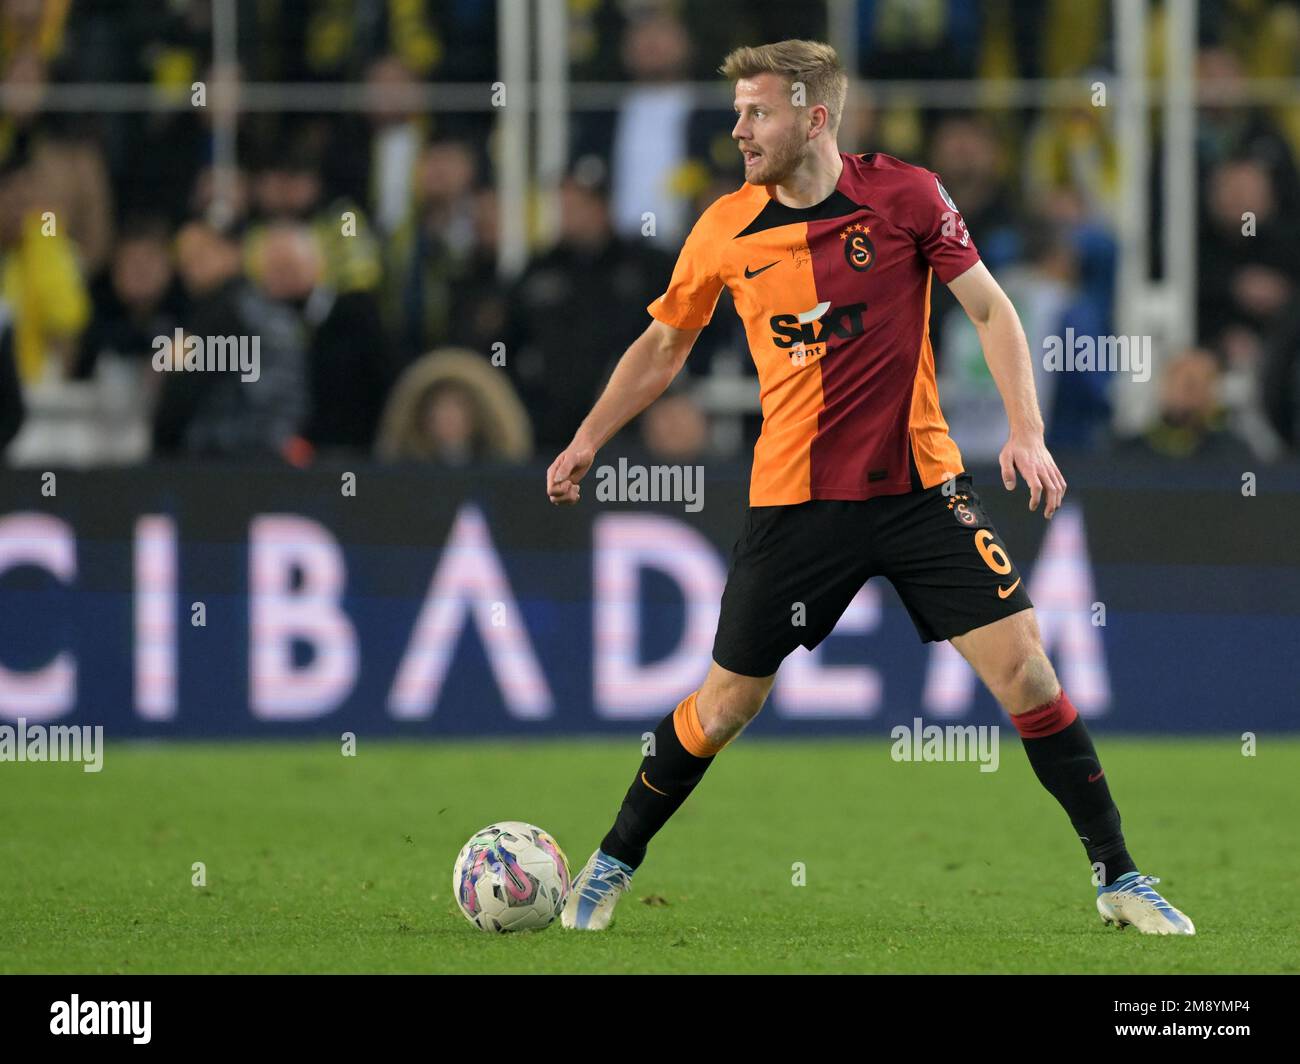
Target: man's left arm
x=1007 y=353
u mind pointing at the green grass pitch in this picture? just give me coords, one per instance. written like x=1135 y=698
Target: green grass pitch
x=317 y=862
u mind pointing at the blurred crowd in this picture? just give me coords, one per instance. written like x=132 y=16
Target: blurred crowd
x=361 y=247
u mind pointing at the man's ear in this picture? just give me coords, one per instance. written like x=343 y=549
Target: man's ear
x=819 y=112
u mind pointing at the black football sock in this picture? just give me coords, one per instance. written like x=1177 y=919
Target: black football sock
x=1065 y=761
x=663 y=782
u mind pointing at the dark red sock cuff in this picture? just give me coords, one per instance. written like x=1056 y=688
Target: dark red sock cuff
x=1055 y=716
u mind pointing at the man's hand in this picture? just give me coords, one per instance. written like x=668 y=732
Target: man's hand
x=1030 y=456
x=565 y=472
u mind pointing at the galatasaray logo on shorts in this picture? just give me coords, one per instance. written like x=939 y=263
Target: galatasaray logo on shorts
x=960 y=507
x=859 y=251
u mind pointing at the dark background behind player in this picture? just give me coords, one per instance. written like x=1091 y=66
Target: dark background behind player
x=454 y=247
x=443 y=227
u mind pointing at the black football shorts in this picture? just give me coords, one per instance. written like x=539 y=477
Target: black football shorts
x=795 y=569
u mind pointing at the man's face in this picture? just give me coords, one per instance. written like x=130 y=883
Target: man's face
x=291 y=264
x=584 y=216
x=142 y=270
x=965 y=154
x=771 y=132
x=1237 y=187
x=1188 y=391
x=205 y=258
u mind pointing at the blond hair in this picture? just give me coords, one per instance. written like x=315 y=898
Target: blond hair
x=812 y=63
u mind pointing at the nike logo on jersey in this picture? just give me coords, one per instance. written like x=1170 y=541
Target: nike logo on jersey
x=751 y=274
x=1003 y=592
x=1100 y=773
x=652 y=786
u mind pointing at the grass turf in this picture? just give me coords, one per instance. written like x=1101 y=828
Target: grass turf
x=317 y=862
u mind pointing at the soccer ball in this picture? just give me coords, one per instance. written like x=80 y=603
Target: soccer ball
x=511 y=876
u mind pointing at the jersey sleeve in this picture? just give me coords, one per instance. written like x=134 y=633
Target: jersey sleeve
x=938 y=227
x=695 y=285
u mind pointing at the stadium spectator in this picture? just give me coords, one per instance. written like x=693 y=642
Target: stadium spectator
x=135 y=301
x=675 y=429
x=1053 y=308
x=222 y=200
x=1227 y=133
x=68 y=166
x=381 y=157
x=1072 y=149
x=1247 y=260
x=72 y=175
x=432 y=248
x=1191 y=422
x=576 y=305
x=479 y=299
x=161 y=152
x=40 y=280
x=169 y=160
x=345 y=344
x=452 y=407
x=970 y=161
x=659 y=146
x=217 y=413
x=1092 y=238
x=650 y=133
x=289 y=186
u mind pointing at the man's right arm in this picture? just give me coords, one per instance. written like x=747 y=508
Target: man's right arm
x=641 y=376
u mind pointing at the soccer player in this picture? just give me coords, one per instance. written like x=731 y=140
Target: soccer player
x=829 y=258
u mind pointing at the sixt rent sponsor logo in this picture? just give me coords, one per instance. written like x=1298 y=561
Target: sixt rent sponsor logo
x=102 y=1017
x=805 y=334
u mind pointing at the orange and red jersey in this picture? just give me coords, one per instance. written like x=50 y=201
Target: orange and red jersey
x=836 y=304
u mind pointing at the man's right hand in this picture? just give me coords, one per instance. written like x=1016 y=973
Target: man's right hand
x=565 y=472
